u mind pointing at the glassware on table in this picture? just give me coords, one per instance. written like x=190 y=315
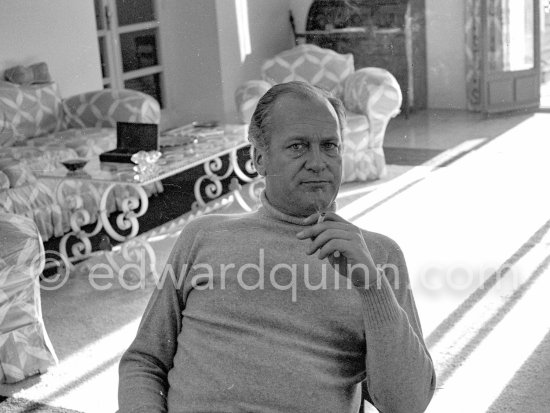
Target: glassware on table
x=146 y=164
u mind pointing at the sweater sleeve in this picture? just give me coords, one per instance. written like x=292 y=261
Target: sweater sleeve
x=400 y=376
x=144 y=367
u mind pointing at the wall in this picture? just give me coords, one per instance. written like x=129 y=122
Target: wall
x=444 y=48
x=190 y=53
x=244 y=47
x=202 y=53
x=62 y=33
x=200 y=46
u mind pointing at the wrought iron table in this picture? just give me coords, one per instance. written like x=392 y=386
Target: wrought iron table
x=102 y=179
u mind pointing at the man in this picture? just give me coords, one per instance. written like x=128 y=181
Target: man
x=286 y=309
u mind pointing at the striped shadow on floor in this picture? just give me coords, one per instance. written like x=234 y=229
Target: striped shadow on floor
x=409 y=156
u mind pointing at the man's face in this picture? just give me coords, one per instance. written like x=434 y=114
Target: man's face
x=303 y=164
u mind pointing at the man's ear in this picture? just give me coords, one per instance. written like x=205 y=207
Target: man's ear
x=259 y=159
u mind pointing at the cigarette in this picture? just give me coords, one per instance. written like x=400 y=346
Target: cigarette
x=321 y=217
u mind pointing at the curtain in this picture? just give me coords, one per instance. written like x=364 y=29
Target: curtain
x=473 y=54
x=498 y=19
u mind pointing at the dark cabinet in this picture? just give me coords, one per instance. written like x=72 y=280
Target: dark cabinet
x=376 y=32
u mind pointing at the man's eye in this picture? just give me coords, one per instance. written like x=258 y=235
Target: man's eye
x=331 y=146
x=297 y=146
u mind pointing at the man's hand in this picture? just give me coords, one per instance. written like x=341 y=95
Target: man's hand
x=344 y=246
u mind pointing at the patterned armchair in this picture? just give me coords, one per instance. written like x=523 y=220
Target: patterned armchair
x=370 y=95
x=39 y=129
x=25 y=349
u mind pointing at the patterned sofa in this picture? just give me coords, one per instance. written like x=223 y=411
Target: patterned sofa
x=38 y=130
x=371 y=96
x=25 y=348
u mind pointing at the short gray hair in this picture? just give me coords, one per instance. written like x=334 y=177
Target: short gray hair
x=259 y=132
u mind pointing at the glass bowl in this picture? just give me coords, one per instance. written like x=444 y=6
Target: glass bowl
x=74 y=164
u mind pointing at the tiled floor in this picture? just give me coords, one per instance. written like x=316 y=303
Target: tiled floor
x=445 y=129
x=484 y=209
x=424 y=136
x=423 y=130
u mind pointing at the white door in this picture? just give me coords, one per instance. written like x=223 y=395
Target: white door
x=129 y=45
x=511 y=55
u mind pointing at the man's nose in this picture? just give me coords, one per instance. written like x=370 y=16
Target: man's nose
x=315 y=160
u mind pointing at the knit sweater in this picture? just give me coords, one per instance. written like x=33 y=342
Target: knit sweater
x=244 y=320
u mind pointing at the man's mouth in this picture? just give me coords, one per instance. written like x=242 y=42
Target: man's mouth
x=315 y=182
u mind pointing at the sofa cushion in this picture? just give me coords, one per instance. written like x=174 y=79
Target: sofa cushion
x=17 y=172
x=20 y=152
x=87 y=143
x=38 y=202
x=37 y=159
x=28 y=75
x=8 y=134
x=27 y=197
x=105 y=107
x=372 y=90
x=356 y=122
x=32 y=110
x=247 y=97
x=4 y=181
x=361 y=163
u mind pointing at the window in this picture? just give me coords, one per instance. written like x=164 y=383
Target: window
x=128 y=36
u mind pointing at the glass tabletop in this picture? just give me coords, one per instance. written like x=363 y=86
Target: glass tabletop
x=175 y=157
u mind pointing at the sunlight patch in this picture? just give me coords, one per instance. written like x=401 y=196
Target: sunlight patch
x=245 y=47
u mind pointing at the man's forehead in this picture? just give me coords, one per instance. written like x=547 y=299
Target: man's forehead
x=298 y=110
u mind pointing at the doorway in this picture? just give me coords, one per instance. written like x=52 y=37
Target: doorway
x=510 y=76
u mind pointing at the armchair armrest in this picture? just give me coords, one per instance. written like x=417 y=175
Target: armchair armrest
x=375 y=93
x=106 y=107
x=247 y=96
x=25 y=346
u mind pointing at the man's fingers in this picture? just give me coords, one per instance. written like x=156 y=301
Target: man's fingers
x=315 y=230
x=312 y=219
x=331 y=216
x=330 y=247
x=326 y=236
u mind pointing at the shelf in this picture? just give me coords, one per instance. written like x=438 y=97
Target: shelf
x=351 y=31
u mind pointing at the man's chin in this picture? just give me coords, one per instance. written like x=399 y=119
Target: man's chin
x=319 y=200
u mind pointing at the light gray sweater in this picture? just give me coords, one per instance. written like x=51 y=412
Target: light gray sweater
x=247 y=321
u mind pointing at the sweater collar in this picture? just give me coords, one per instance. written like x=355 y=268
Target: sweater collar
x=270 y=211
